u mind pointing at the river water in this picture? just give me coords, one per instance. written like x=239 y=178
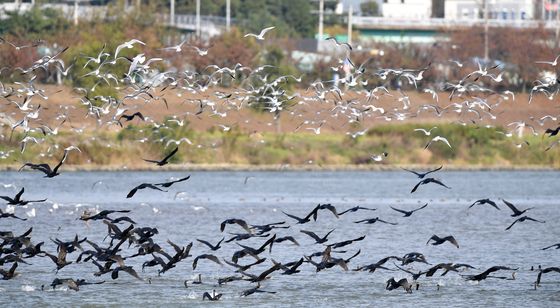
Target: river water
x=195 y=208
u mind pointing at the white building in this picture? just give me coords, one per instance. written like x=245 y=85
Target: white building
x=407 y=9
x=497 y=9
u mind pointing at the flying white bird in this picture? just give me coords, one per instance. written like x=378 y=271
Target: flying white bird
x=438 y=138
x=128 y=44
x=553 y=63
x=426 y=132
x=261 y=35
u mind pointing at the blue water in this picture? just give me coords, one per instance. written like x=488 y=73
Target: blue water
x=195 y=208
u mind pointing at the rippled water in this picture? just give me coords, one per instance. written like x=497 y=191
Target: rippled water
x=210 y=197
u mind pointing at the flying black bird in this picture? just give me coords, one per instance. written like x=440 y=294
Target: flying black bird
x=522 y=219
x=544 y=271
x=168 y=184
x=165 y=160
x=487 y=272
x=426 y=181
x=303 y=220
x=9 y=274
x=214 y=297
x=17 y=199
x=440 y=240
x=10 y=215
x=555 y=245
x=207 y=257
x=142 y=186
x=421 y=175
x=255 y=290
x=347 y=242
x=356 y=208
x=286 y=238
x=552 y=132
x=318 y=240
x=392 y=284
x=212 y=247
x=232 y=221
x=408 y=213
x=485 y=201
x=516 y=211
x=374 y=220
x=45 y=168
x=131 y=117
x=101 y=215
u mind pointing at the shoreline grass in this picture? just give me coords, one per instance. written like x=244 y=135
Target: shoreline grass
x=473 y=148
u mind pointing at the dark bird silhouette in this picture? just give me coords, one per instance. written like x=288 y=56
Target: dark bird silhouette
x=408 y=213
x=555 y=245
x=71 y=283
x=522 y=219
x=356 y=208
x=165 y=160
x=347 y=242
x=421 y=175
x=327 y=206
x=303 y=220
x=60 y=259
x=9 y=274
x=440 y=240
x=168 y=184
x=486 y=273
x=552 y=132
x=129 y=118
x=374 y=220
x=290 y=268
x=544 y=271
x=427 y=181
x=485 y=201
x=207 y=257
x=10 y=215
x=286 y=238
x=101 y=215
x=318 y=240
x=264 y=275
x=17 y=199
x=446 y=267
x=232 y=221
x=212 y=247
x=392 y=284
x=214 y=297
x=516 y=211
x=143 y=186
x=45 y=168
x=127 y=269
x=243 y=268
x=254 y=290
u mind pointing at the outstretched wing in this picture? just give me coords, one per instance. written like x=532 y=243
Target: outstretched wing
x=170 y=154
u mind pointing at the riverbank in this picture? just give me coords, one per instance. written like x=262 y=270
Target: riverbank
x=472 y=148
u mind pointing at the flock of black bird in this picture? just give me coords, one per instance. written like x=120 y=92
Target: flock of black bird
x=126 y=240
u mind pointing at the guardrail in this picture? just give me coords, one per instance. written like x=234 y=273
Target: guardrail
x=383 y=22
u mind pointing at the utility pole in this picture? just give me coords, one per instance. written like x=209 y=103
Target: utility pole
x=228 y=15
x=172 y=13
x=198 y=19
x=557 y=24
x=350 y=25
x=75 y=12
x=486 y=51
x=321 y=11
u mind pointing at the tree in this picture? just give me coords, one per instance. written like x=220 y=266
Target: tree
x=369 y=8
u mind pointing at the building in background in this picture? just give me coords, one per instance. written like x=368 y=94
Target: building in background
x=407 y=9
x=497 y=9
